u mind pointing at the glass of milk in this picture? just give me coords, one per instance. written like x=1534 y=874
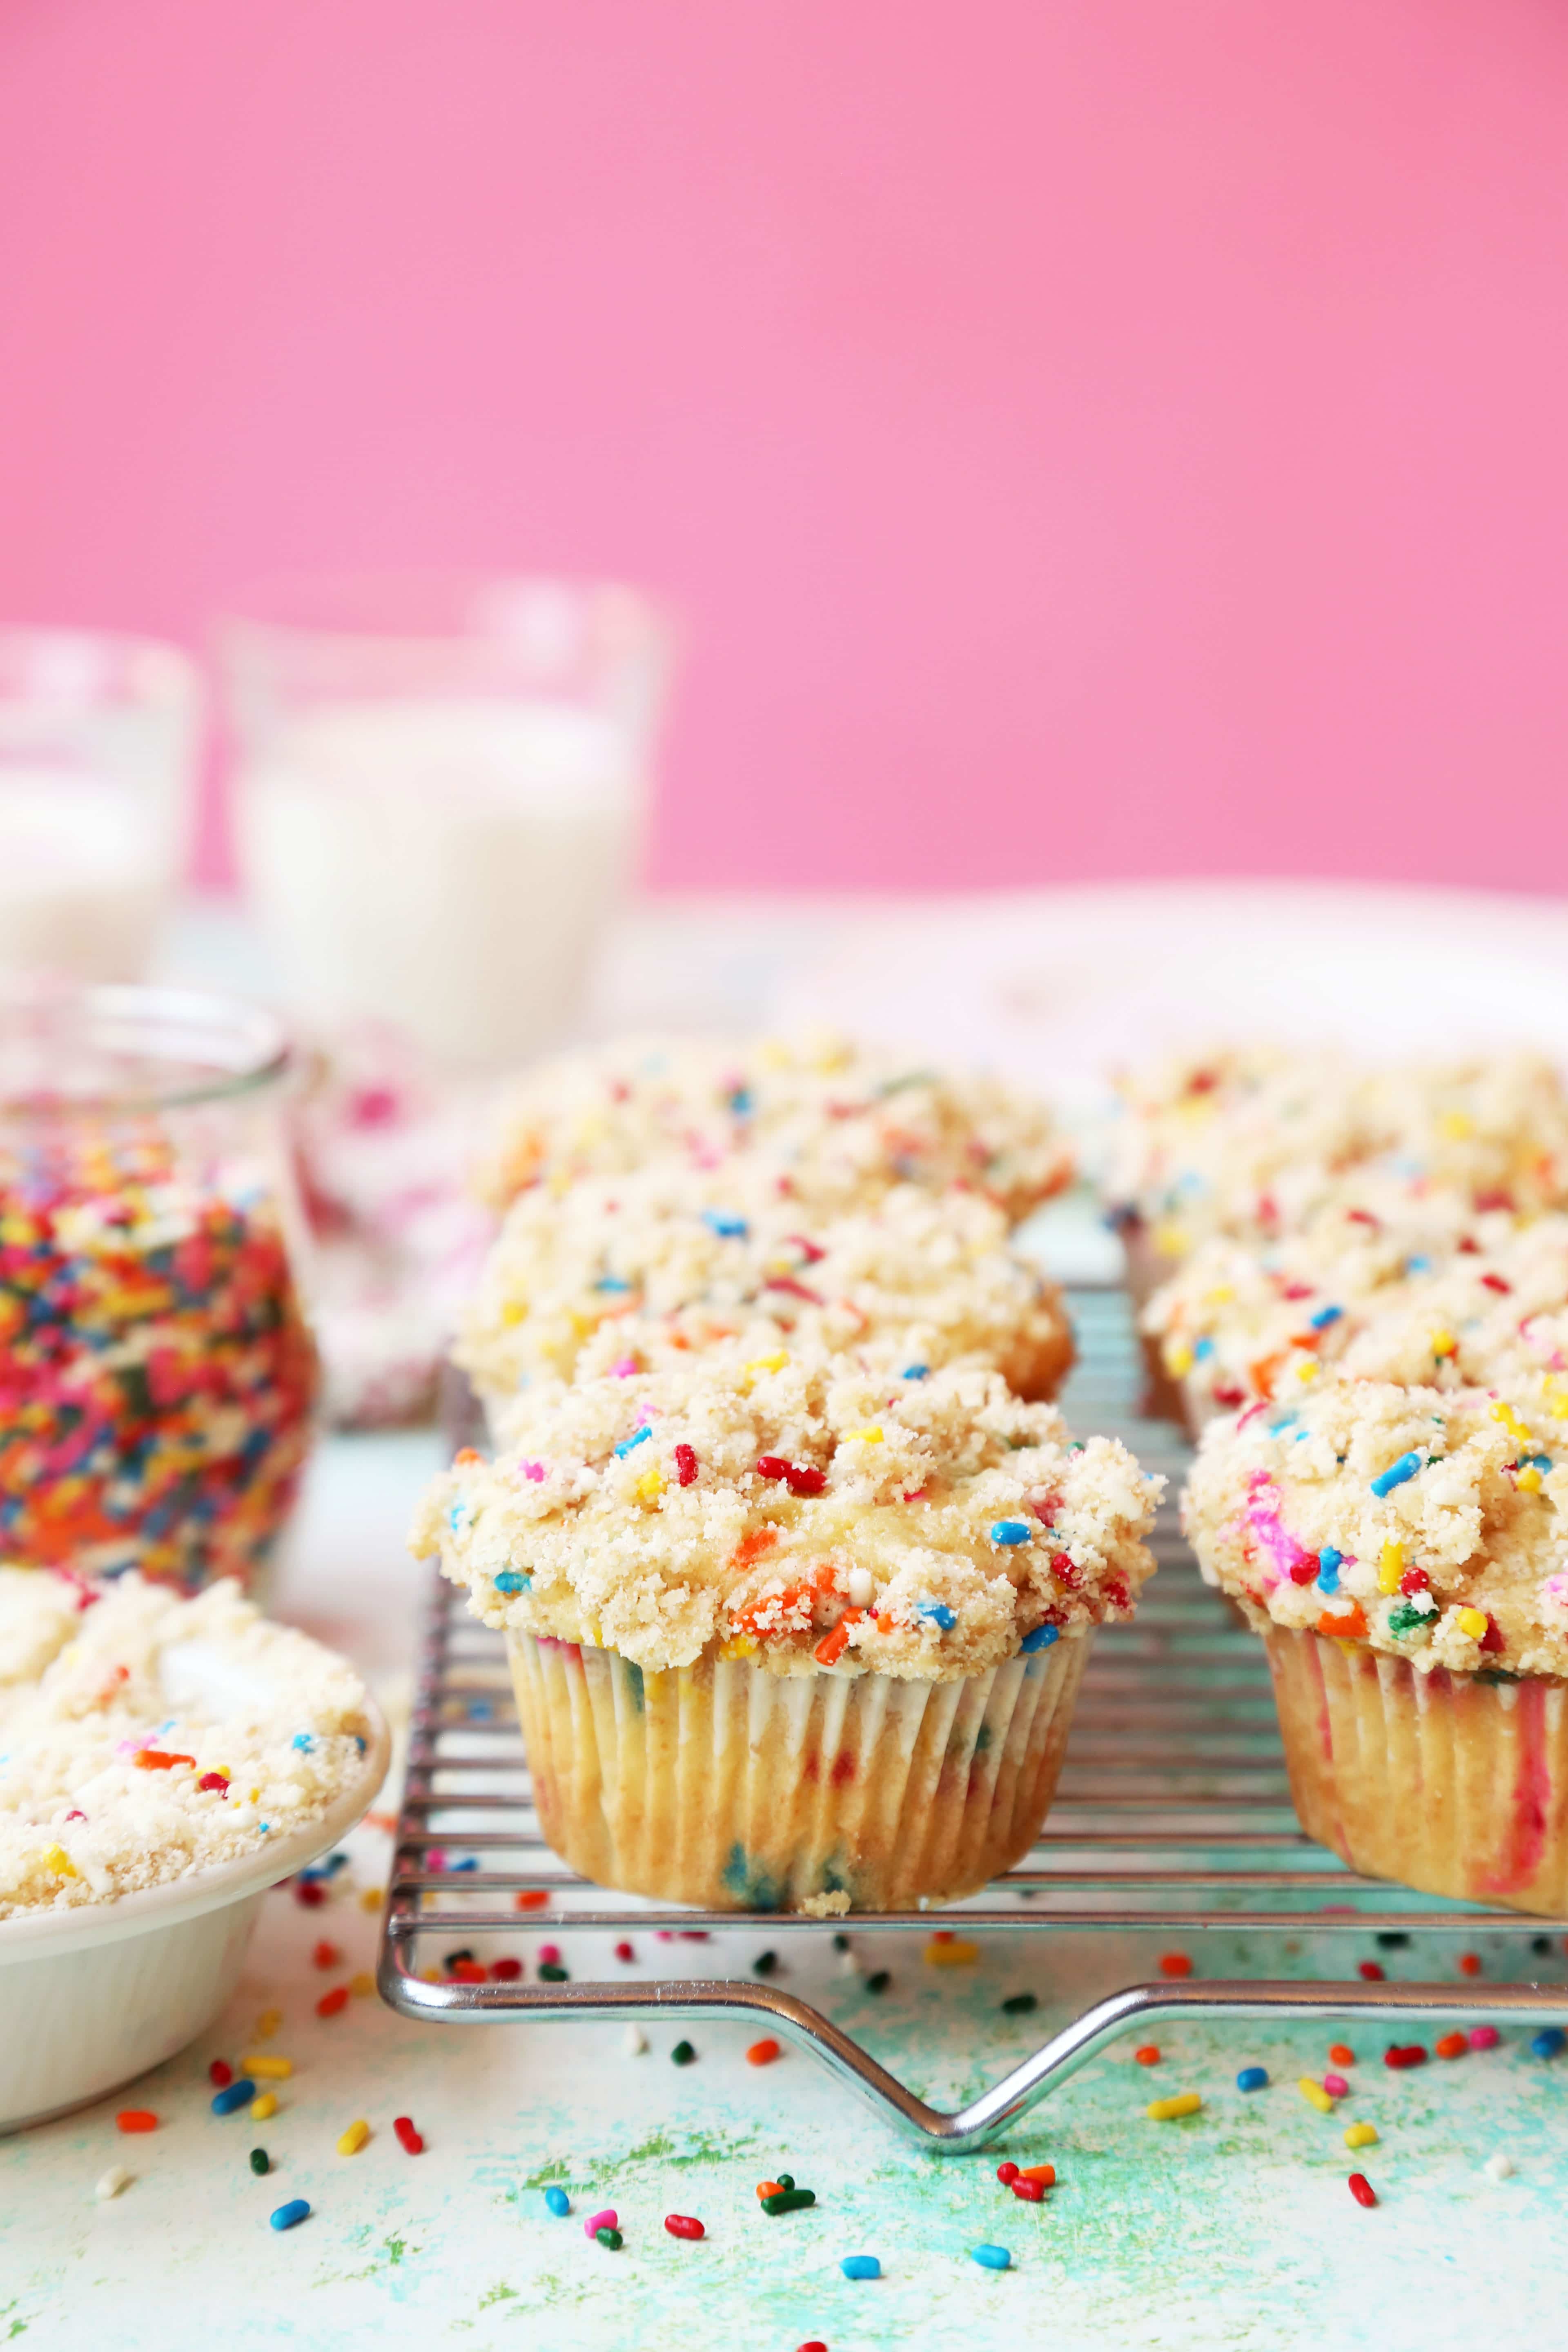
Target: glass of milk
x=438 y=792
x=98 y=738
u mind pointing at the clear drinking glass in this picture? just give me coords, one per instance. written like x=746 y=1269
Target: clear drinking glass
x=157 y=1371
x=437 y=793
x=98 y=745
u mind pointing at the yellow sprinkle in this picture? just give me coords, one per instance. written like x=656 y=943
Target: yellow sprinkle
x=1456 y=1127
x=1178 y=1358
x=355 y=2138
x=872 y=1436
x=1471 y=1621
x=267 y=2023
x=1171 y=1239
x=362 y=1986
x=266 y=2070
x=1391 y=1567
x=1560 y=1409
x=263 y=2107
x=373 y=1898
x=1510 y=1420
x=1307 y=1369
x=255 y=1797
x=57 y=1859
x=1360 y=2136
x=773 y=1363
x=1315 y=2095
x=1220 y=1296
x=1444 y=1344
x=429 y=1976
x=1166 y=2111
x=955 y=1955
x=738 y=1646
x=1527 y=1480
x=651 y=1486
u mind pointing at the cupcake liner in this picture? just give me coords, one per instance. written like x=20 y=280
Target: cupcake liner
x=722 y=1785
x=1445 y=1782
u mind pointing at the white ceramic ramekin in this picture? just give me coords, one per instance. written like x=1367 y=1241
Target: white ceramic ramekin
x=91 y=1997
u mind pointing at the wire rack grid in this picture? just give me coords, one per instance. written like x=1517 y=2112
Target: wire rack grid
x=1172 y=1813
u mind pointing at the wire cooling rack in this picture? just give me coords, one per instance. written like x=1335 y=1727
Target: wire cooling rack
x=1172 y=1815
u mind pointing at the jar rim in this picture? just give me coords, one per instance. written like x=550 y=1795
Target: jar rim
x=214 y=1048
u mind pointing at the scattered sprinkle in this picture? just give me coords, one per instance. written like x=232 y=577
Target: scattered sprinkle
x=1168 y=2111
x=1360 y=2136
x=788 y=2199
x=1175 y=1964
x=1253 y=2078
x=1396 y=1473
x=880 y=1980
x=1336 y=2086
x=1361 y=2190
x=1315 y=2095
x=1469 y=1964
x=225 y=2102
x=1370 y=1971
x=220 y=2074
x=558 y=2201
x=1342 y=2054
x=947 y=1950
x=351 y=2142
x=324 y=1955
x=260 y=2161
x=1011 y=1531
x=270 y=2070
x=764 y=2053
x=289 y=2216
x=861 y=2267
x=1147 y=2054
x=331 y=2002
x=1451 y=2046
x=1484 y=2037
x=682 y=2054
x=684 y=2225
x=110 y=2183
x=267 y=2023
x=607 y=2220
x=142 y=2119
x=1410 y=2053
x=1028 y=2191
x=261 y=2108
x=1019 y=2004
x=409 y=2140
x=991 y=2258
x=1548 y=2042
x=1499 y=2167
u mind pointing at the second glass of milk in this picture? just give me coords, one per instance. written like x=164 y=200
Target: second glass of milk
x=437 y=797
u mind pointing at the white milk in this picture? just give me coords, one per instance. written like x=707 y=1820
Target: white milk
x=82 y=874
x=444 y=864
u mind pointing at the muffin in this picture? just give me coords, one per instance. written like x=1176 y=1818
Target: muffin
x=786 y=1635
x=146 y=1736
x=843 y=1124
x=1401 y=1550
x=1251 y=1142
x=625 y=1271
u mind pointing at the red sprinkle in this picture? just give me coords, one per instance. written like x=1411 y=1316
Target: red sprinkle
x=1148 y=2055
x=1007 y=2174
x=683 y=2225
x=218 y=1780
x=533 y=1898
x=330 y=2003
x=1495 y=1282
x=1175 y=1964
x=1410 y=2054
x=1033 y=2192
x=506 y=1972
x=685 y=1465
x=1361 y=2190
x=466 y=1972
x=1370 y=1969
x=324 y=1955
x=136 y=2119
x=1452 y=2045
x=1469 y=1964
x=409 y=2138
x=624 y=1952
x=221 y=2072
x=764 y=2053
x=310 y=1892
x=773 y=1466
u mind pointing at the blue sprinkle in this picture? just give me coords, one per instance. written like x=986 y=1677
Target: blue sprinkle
x=303 y=1741
x=1011 y=1531
x=611 y=1282
x=359 y=1744
x=916 y=1371
x=456 y=1517
x=740 y=1101
x=1283 y=1421
x=860 y=2266
x=470 y=1862
x=1040 y=1639
x=991 y=2258
x=1329 y=1563
x=1324 y=1317
x=1253 y=2078
x=480 y=1710
x=937 y=1612
x=237 y=2093
x=289 y=2216
x=727 y=1228
x=510 y=1580
x=1535 y=1461
x=1396 y=1473
x=558 y=2201
x=1418 y=1265
x=628 y=1443
x=1549 y=2042
x=1202 y=1350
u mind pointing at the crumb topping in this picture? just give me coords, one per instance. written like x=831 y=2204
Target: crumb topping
x=795 y=1509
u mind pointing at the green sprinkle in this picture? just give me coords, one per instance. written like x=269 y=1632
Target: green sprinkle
x=1018 y=2004
x=682 y=2054
x=789 y=2200
x=553 y=1972
x=879 y=1982
x=1408 y=1618
x=765 y=1964
x=786 y=2179
x=611 y=2238
x=260 y=2161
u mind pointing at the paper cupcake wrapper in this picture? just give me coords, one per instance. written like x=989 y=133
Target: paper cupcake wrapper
x=1444 y=1781
x=722 y=1785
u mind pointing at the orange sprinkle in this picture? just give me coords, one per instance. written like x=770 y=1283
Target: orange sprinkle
x=325 y=1954
x=1046 y=2174
x=330 y=2003
x=1148 y=2055
x=832 y=1647
x=1452 y=2045
x=1342 y=2054
x=464 y=1455
x=1174 y=1964
x=753 y=1546
x=154 y=1760
x=1348 y=1627
x=764 y=2053
x=767 y=2189
x=533 y=1898
x=1469 y=1964
x=136 y=2119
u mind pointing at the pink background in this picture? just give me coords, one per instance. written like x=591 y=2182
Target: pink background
x=1086 y=436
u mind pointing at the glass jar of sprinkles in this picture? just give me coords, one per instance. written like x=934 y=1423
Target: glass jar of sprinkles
x=157 y=1370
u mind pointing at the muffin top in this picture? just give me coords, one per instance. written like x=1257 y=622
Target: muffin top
x=624 y=1269
x=144 y=1736
x=795 y=1509
x=1426 y=1522
x=1250 y=1141
x=842 y=1124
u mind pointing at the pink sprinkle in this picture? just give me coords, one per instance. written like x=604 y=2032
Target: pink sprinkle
x=626 y=1368
x=550 y=1956
x=1261 y=1514
x=74 y=1816
x=435 y=1859
x=604 y=2220
x=1336 y=2086
x=1484 y=2037
x=126 y=1749
x=535 y=1470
